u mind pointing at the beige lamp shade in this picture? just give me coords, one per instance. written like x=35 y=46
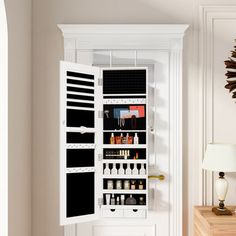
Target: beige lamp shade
x=220 y=157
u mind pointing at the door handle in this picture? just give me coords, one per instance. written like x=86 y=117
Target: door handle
x=157 y=177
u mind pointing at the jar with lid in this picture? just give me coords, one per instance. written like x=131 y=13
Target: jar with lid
x=133 y=184
x=118 y=184
x=126 y=184
x=110 y=184
x=140 y=185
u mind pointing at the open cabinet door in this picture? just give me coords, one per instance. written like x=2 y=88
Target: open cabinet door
x=78 y=138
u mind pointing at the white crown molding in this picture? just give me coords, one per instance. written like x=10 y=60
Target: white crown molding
x=209 y=15
x=152 y=29
x=150 y=36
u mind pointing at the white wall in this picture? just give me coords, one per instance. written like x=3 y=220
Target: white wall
x=48 y=50
x=19 y=29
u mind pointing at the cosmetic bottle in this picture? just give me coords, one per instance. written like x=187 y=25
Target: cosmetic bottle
x=128 y=170
x=113 y=200
x=108 y=199
x=136 y=139
x=121 y=171
x=114 y=170
x=126 y=184
x=130 y=140
x=117 y=200
x=107 y=170
x=118 y=184
x=140 y=185
x=118 y=139
x=123 y=139
x=131 y=201
x=112 y=139
x=141 y=201
x=126 y=155
x=135 y=170
x=133 y=184
x=110 y=184
x=122 y=199
x=142 y=170
x=127 y=138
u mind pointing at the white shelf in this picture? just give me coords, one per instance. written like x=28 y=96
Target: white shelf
x=124 y=146
x=122 y=207
x=124 y=100
x=125 y=176
x=124 y=191
x=118 y=161
x=124 y=131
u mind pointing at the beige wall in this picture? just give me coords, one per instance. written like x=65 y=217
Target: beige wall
x=19 y=27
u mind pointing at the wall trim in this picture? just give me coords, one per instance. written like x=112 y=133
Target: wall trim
x=207 y=17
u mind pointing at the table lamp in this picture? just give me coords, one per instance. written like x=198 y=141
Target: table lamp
x=222 y=158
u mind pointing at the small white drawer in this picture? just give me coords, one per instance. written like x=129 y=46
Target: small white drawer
x=135 y=213
x=112 y=213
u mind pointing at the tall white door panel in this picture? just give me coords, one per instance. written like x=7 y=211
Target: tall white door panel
x=79 y=135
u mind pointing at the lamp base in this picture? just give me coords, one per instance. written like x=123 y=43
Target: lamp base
x=221 y=212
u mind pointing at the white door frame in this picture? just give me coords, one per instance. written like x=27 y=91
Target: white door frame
x=3 y=122
x=137 y=37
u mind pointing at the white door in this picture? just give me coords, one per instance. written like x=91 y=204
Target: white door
x=79 y=134
x=158 y=221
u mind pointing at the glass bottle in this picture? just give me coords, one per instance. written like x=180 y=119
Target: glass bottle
x=114 y=170
x=142 y=170
x=121 y=171
x=135 y=170
x=107 y=170
x=130 y=201
x=133 y=184
x=128 y=170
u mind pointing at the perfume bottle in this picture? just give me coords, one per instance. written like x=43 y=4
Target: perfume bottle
x=113 y=200
x=128 y=170
x=140 y=185
x=122 y=199
x=136 y=139
x=117 y=200
x=142 y=170
x=135 y=170
x=112 y=139
x=130 y=201
x=133 y=184
x=107 y=170
x=126 y=154
x=114 y=170
x=121 y=171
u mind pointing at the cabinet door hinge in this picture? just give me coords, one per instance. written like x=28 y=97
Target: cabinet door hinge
x=100 y=114
x=100 y=202
x=100 y=81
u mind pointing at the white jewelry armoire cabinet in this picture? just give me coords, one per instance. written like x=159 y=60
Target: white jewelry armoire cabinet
x=121 y=130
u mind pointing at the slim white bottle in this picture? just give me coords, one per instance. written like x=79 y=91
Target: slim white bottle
x=121 y=171
x=135 y=170
x=114 y=170
x=128 y=170
x=107 y=170
x=136 y=139
x=142 y=170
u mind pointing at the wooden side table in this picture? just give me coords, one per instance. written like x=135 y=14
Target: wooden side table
x=206 y=223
